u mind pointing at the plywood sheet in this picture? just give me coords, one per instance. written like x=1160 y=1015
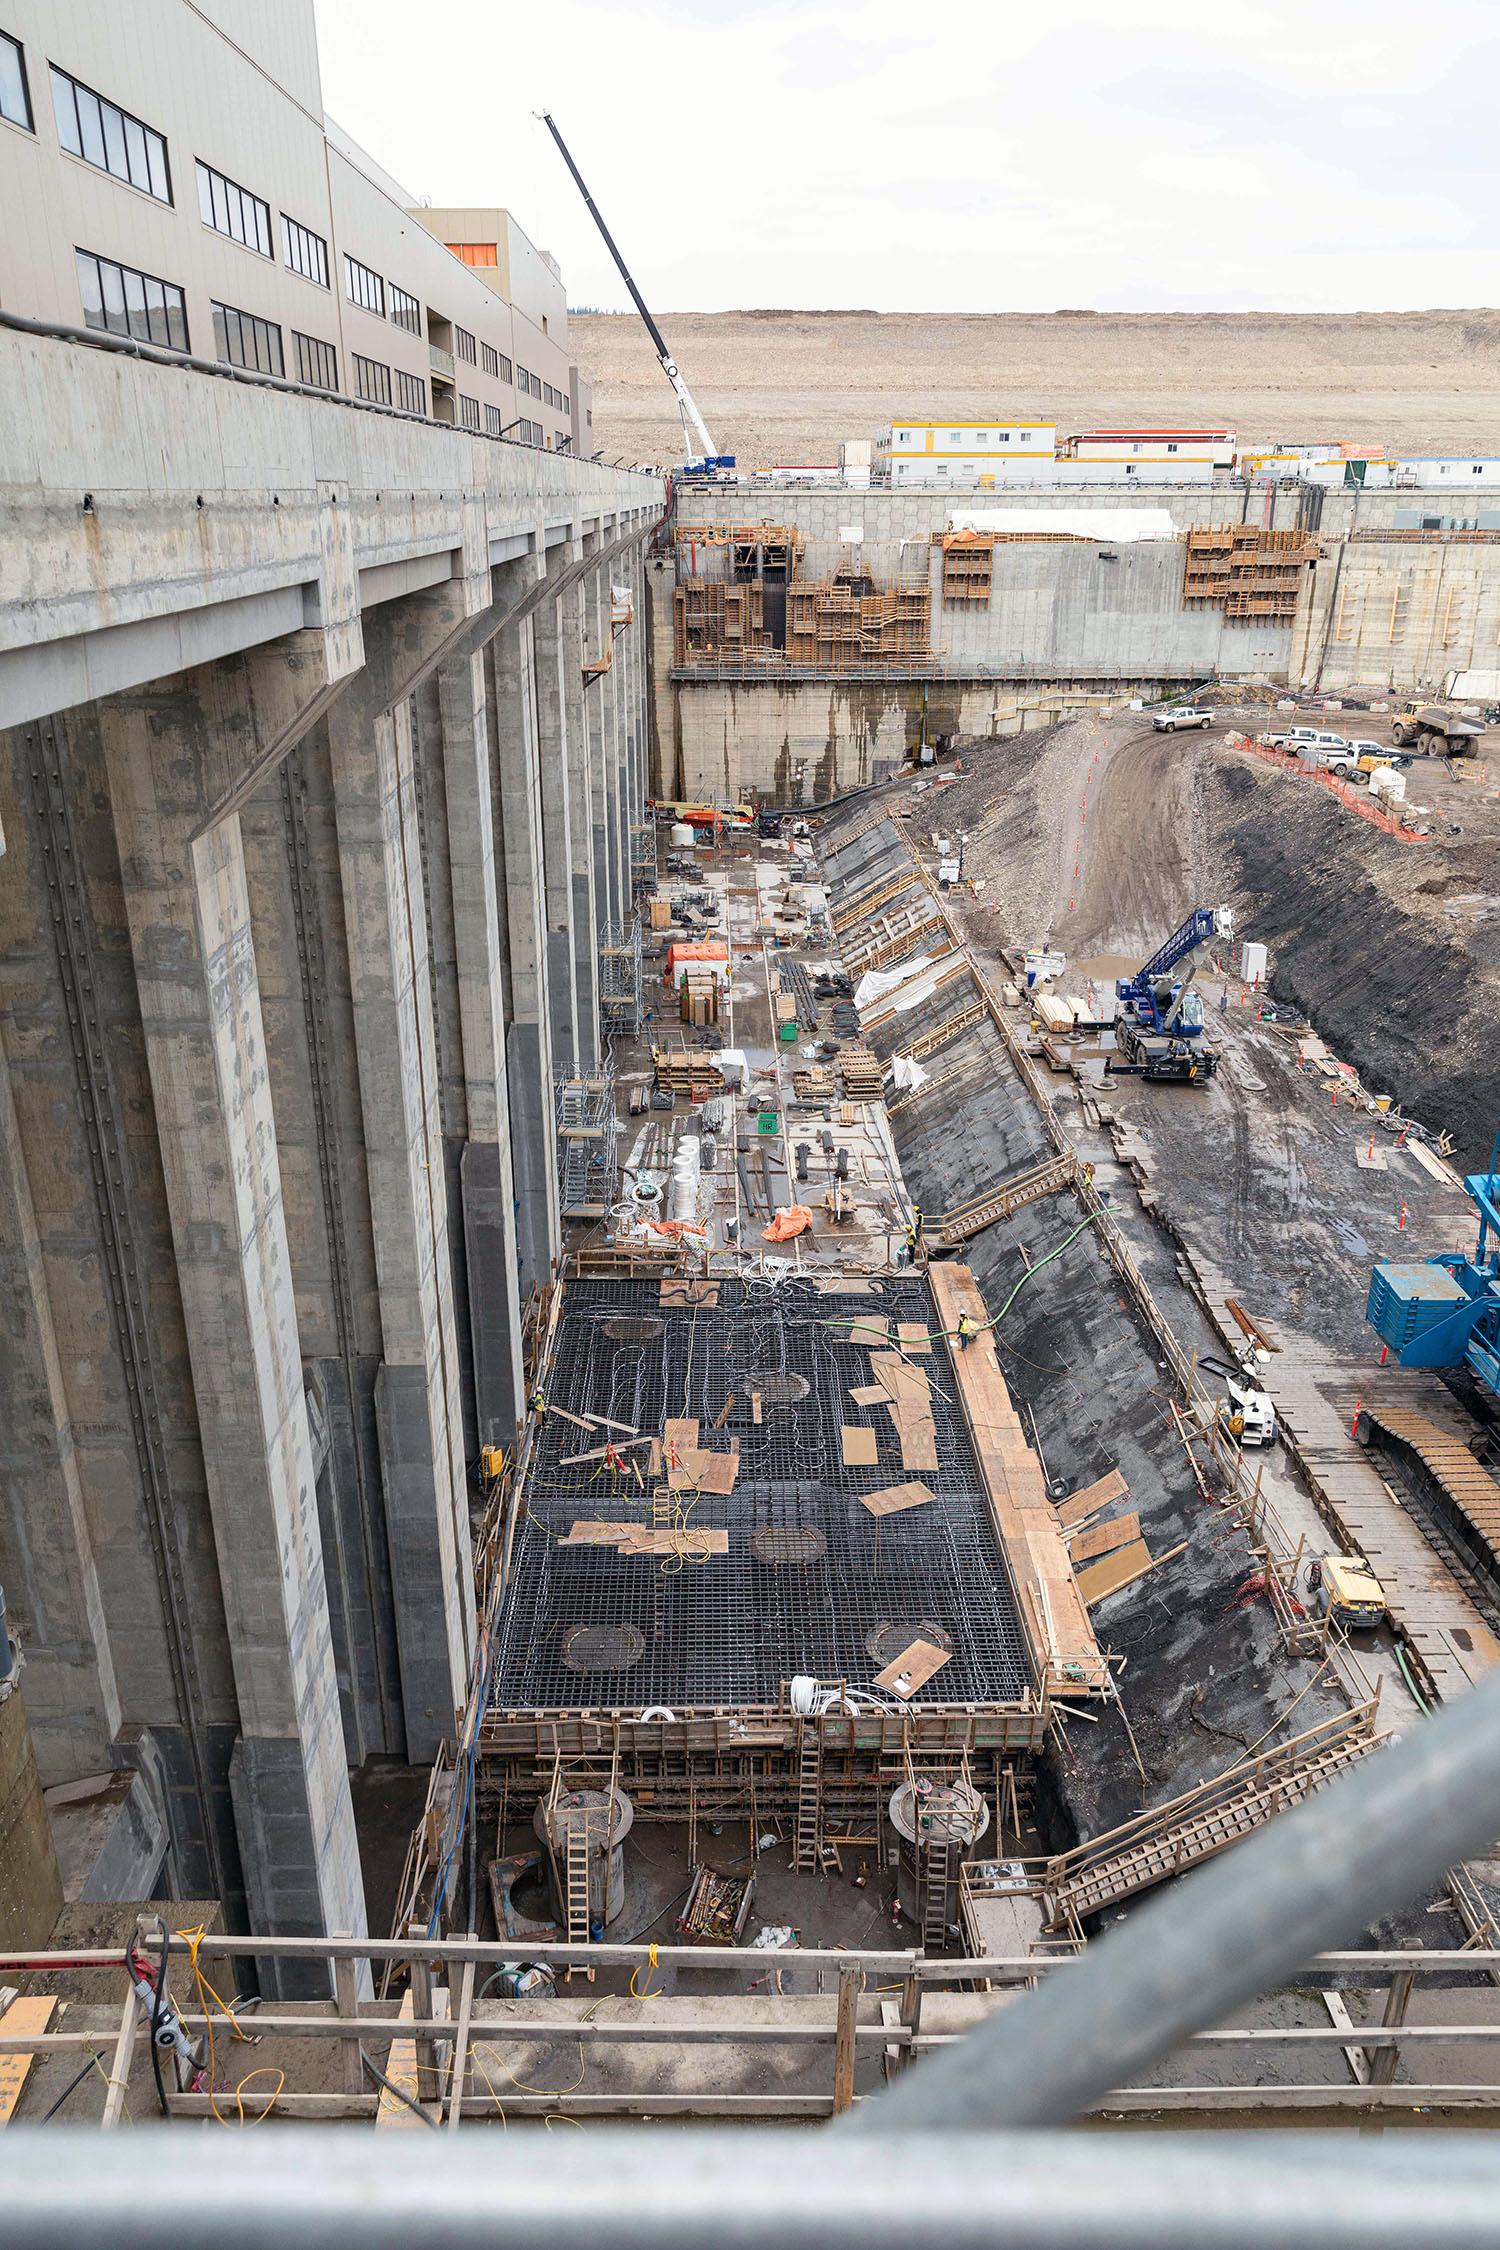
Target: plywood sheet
x=24 y=2015
x=1115 y=1571
x=910 y=1400
x=682 y=1289
x=1103 y=1538
x=913 y=1335
x=679 y=1435
x=892 y=1499
x=703 y=1471
x=869 y=1394
x=859 y=1447
x=640 y=1539
x=868 y=1329
x=912 y=1669
x=1091 y=1498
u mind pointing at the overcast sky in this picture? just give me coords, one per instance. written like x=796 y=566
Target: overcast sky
x=1308 y=155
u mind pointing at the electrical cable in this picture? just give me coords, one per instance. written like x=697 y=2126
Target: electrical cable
x=398 y=2092
x=71 y=2088
x=158 y=2011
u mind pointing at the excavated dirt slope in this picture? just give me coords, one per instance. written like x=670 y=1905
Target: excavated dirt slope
x=1390 y=948
x=787 y=386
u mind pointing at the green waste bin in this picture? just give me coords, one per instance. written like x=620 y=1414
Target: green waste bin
x=789 y=1031
x=768 y=1122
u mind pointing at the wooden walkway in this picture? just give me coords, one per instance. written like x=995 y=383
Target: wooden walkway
x=1027 y=1525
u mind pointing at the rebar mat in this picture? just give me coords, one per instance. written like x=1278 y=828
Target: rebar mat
x=812 y=1582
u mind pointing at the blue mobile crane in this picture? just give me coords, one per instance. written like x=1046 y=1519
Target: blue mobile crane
x=1159 y=1024
x=1444 y=1311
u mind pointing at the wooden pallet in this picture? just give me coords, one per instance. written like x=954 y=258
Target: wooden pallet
x=861 y=1075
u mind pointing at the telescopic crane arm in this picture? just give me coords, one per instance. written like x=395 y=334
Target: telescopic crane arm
x=695 y=430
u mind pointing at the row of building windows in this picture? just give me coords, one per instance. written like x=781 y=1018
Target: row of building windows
x=109 y=137
x=533 y=386
x=124 y=302
x=245 y=340
x=233 y=210
x=130 y=303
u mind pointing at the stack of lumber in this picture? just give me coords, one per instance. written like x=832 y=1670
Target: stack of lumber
x=813 y=1083
x=862 y=1074
x=678 y=1072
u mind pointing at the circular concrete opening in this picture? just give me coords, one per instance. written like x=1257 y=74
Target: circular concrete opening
x=891 y=1639
x=602 y=1648
x=777 y=1390
x=794 y=1543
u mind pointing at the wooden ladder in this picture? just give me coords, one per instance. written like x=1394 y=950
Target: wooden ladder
x=807 y=1848
x=576 y=1879
x=938 y=1874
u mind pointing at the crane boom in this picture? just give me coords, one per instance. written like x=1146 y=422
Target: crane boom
x=694 y=429
x=1203 y=923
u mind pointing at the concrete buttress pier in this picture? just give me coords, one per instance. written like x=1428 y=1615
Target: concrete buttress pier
x=311 y=821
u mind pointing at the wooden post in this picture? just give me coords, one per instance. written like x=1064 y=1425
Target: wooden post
x=459 y=2070
x=119 y=2069
x=911 y=2015
x=843 y=2040
x=1383 y=2060
x=346 y=2001
x=421 y=2002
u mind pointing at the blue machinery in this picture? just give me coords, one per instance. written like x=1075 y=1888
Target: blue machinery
x=1159 y=1029
x=1444 y=1311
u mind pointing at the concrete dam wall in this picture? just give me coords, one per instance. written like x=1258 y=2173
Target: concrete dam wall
x=1347 y=593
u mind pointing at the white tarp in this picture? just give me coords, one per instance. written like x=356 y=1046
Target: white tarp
x=1119 y=527
x=908 y=1075
x=876 y=983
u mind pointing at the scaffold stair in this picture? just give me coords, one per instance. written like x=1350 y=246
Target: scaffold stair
x=1168 y=1839
x=930 y=1041
x=968 y=1219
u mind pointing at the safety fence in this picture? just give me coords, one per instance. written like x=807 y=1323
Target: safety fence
x=1354 y=799
x=447 y=2052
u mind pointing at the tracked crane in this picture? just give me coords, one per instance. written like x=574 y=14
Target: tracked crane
x=1159 y=1026
x=702 y=456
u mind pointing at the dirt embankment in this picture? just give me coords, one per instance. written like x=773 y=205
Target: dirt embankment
x=787 y=386
x=1100 y=836
x=1392 y=949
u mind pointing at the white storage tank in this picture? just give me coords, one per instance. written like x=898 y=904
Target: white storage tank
x=680 y=836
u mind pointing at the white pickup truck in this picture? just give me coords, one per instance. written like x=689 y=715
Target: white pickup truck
x=1178 y=720
x=1316 y=744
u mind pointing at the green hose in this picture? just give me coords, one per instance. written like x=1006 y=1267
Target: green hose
x=851 y=1320
x=1417 y=1696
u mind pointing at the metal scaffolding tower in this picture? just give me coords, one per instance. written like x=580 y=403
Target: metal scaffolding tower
x=586 y=1133
x=620 y=977
x=642 y=853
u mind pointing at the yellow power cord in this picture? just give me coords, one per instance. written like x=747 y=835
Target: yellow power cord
x=193 y=1939
x=635 y=1972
